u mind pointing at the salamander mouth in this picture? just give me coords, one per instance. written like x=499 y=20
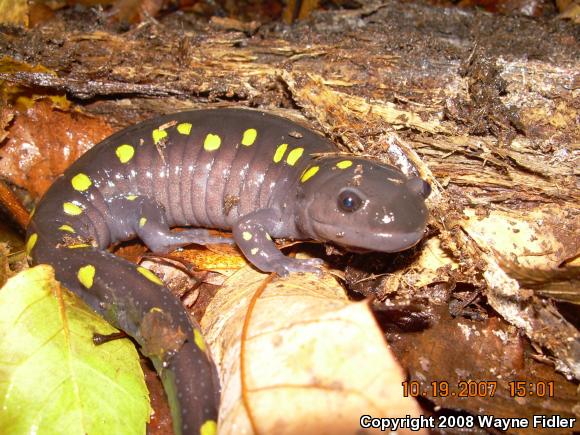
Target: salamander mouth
x=364 y=241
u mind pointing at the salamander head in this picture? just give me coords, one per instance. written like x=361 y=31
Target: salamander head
x=362 y=205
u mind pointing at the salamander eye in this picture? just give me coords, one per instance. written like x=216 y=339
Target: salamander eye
x=349 y=201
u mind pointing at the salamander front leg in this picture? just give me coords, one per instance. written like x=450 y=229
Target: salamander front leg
x=252 y=235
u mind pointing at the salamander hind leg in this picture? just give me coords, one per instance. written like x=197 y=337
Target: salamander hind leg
x=252 y=235
x=147 y=219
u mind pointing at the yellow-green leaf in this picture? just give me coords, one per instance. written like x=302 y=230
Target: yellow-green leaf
x=53 y=379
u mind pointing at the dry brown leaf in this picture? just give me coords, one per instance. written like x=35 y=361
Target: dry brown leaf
x=12 y=204
x=299 y=9
x=221 y=258
x=314 y=362
x=569 y=9
x=430 y=261
x=537 y=239
x=43 y=142
x=14 y=12
x=135 y=11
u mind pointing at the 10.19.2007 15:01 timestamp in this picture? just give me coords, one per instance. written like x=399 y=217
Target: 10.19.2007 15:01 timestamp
x=477 y=389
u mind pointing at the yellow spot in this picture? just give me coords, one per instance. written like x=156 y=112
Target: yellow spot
x=142 y=222
x=246 y=236
x=149 y=275
x=249 y=137
x=32 y=212
x=199 y=340
x=294 y=155
x=212 y=142
x=280 y=152
x=309 y=173
x=79 y=245
x=31 y=242
x=344 y=164
x=158 y=135
x=254 y=251
x=209 y=427
x=184 y=128
x=81 y=182
x=131 y=197
x=125 y=153
x=72 y=209
x=268 y=236
x=67 y=228
x=86 y=275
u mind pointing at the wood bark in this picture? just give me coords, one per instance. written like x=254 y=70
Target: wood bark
x=484 y=107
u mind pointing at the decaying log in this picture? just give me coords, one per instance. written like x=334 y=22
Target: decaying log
x=485 y=107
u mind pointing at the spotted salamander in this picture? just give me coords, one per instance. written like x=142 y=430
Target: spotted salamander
x=260 y=175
